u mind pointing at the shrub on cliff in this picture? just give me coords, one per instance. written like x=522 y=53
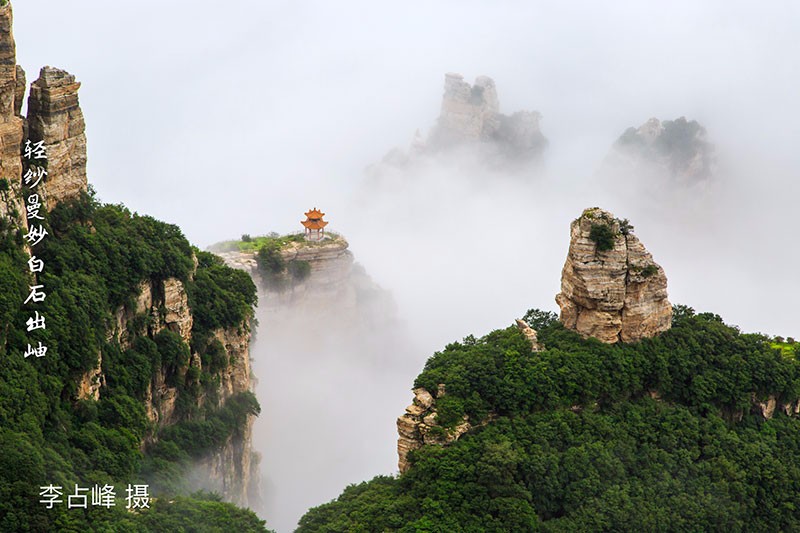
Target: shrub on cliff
x=219 y=296
x=299 y=270
x=603 y=236
x=269 y=259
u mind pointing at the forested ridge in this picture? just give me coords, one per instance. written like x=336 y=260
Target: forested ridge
x=667 y=434
x=95 y=257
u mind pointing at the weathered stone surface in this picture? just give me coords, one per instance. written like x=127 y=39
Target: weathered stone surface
x=55 y=117
x=236 y=377
x=613 y=295
x=530 y=334
x=160 y=400
x=11 y=125
x=231 y=471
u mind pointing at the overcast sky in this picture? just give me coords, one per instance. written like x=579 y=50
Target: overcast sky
x=236 y=117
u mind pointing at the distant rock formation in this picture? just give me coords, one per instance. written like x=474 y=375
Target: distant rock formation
x=472 y=113
x=55 y=117
x=611 y=288
x=470 y=117
x=677 y=148
x=468 y=113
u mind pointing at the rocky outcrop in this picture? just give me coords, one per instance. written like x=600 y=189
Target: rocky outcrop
x=232 y=471
x=418 y=426
x=469 y=113
x=90 y=383
x=677 y=148
x=177 y=315
x=55 y=117
x=611 y=288
x=767 y=408
x=472 y=113
x=164 y=304
x=11 y=124
x=470 y=130
x=530 y=334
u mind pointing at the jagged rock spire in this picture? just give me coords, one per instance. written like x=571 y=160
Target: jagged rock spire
x=611 y=288
x=55 y=117
x=471 y=113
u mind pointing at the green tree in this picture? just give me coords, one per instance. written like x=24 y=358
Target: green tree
x=603 y=236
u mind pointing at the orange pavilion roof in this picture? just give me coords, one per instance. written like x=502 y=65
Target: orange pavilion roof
x=315 y=213
x=314 y=224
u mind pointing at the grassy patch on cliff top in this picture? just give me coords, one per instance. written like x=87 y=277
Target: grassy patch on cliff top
x=787 y=349
x=253 y=244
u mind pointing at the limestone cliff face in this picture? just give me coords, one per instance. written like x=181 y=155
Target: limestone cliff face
x=11 y=123
x=678 y=149
x=55 y=117
x=614 y=294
